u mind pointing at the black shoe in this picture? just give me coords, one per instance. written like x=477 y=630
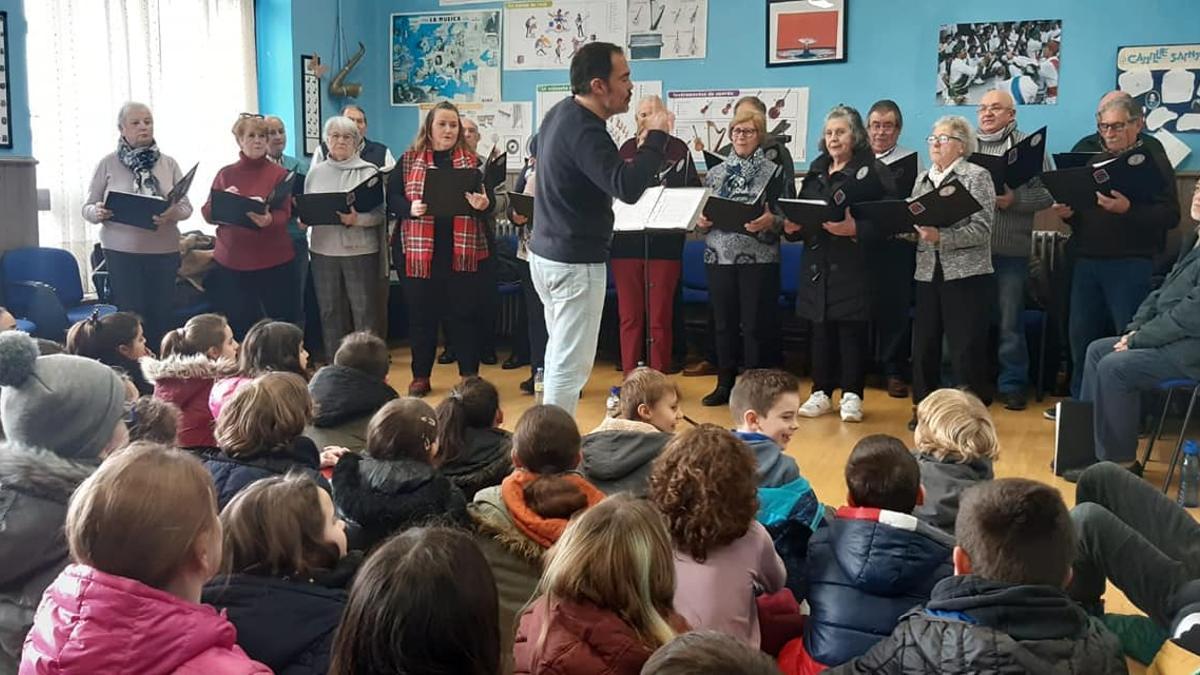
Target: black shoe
x=1014 y=400
x=718 y=396
x=1072 y=475
x=1050 y=414
x=1137 y=468
x=513 y=362
x=447 y=356
x=912 y=423
x=489 y=358
x=527 y=386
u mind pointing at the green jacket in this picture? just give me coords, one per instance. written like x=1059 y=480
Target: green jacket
x=1169 y=318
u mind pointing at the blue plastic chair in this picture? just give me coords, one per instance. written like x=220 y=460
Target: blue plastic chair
x=26 y=326
x=790 y=257
x=1169 y=387
x=42 y=285
x=694 y=279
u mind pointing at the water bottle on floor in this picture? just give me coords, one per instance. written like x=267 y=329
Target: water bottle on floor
x=612 y=406
x=539 y=386
x=1189 y=476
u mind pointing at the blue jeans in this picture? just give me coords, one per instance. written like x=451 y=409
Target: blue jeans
x=573 y=297
x=1105 y=293
x=1011 y=275
x=1114 y=382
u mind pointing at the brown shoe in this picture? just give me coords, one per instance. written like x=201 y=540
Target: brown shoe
x=702 y=369
x=420 y=387
x=896 y=388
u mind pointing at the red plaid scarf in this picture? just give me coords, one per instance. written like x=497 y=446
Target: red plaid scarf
x=470 y=243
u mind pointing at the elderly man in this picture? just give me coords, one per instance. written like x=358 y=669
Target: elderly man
x=1012 y=232
x=1116 y=240
x=372 y=151
x=276 y=142
x=1161 y=342
x=893 y=260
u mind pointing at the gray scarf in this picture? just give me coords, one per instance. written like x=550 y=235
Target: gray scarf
x=997 y=135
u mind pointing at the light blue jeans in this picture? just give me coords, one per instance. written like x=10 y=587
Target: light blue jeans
x=573 y=297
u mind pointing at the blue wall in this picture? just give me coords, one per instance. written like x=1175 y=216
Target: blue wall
x=891 y=47
x=17 y=80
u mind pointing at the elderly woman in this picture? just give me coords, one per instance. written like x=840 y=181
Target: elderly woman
x=141 y=263
x=833 y=288
x=743 y=266
x=441 y=253
x=252 y=276
x=954 y=271
x=348 y=257
x=637 y=263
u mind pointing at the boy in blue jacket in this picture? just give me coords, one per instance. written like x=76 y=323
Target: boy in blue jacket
x=764 y=404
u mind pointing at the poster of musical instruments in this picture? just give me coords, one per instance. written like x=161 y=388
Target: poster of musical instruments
x=450 y=55
x=545 y=34
x=507 y=124
x=621 y=127
x=704 y=116
x=667 y=29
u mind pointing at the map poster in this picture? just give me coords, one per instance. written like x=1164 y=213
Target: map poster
x=507 y=124
x=451 y=56
x=667 y=29
x=706 y=114
x=545 y=35
x=621 y=127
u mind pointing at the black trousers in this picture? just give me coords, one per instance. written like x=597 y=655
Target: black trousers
x=839 y=356
x=535 y=321
x=961 y=310
x=245 y=297
x=457 y=297
x=891 y=264
x=144 y=283
x=485 y=321
x=744 y=297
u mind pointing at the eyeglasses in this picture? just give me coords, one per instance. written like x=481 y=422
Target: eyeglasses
x=743 y=132
x=256 y=116
x=994 y=108
x=942 y=139
x=882 y=126
x=1115 y=127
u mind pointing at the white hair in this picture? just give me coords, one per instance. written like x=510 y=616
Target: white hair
x=1126 y=103
x=960 y=127
x=343 y=125
x=129 y=107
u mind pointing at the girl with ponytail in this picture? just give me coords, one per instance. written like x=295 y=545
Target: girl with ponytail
x=472 y=449
x=116 y=340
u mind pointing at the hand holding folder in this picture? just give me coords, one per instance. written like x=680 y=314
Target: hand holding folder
x=327 y=208
x=731 y=216
x=446 y=191
x=940 y=207
x=1018 y=165
x=146 y=211
x=522 y=205
x=1133 y=173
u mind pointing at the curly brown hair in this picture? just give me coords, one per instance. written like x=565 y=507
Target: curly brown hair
x=706 y=486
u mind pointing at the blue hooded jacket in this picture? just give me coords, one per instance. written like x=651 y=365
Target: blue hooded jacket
x=775 y=469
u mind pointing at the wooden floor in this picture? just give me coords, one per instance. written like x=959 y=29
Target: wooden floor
x=821 y=445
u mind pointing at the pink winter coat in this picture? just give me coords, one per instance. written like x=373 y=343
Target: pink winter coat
x=223 y=391
x=96 y=623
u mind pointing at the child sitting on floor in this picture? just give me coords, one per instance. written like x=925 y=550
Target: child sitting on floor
x=116 y=340
x=618 y=453
x=955 y=446
x=269 y=347
x=347 y=393
x=764 y=404
x=472 y=450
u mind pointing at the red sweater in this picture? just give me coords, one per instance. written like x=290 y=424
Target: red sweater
x=244 y=249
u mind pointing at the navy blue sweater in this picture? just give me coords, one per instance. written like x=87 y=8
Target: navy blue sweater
x=579 y=172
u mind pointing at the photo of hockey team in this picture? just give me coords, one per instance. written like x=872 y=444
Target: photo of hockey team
x=1021 y=57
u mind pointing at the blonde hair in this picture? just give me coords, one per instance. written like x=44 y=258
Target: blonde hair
x=265 y=415
x=616 y=555
x=644 y=385
x=140 y=515
x=754 y=117
x=954 y=425
x=246 y=125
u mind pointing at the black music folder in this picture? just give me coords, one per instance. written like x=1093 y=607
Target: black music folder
x=811 y=212
x=940 y=207
x=1018 y=165
x=731 y=216
x=712 y=159
x=1076 y=187
x=1071 y=160
x=523 y=204
x=1074 y=436
x=904 y=173
x=139 y=210
x=322 y=208
x=446 y=189
x=495 y=170
x=1133 y=173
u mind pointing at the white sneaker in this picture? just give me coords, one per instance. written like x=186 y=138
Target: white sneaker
x=818 y=404
x=851 y=408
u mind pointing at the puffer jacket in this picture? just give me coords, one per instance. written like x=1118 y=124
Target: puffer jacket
x=944 y=482
x=866 y=568
x=775 y=469
x=973 y=625
x=231 y=475
x=1168 y=320
x=791 y=513
x=222 y=392
x=618 y=454
x=485 y=461
x=386 y=497
x=187 y=382
x=92 y=622
x=287 y=624
x=579 y=638
x=344 y=400
x=35 y=486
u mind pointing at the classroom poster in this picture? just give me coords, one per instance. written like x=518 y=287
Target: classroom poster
x=445 y=56
x=706 y=114
x=507 y=124
x=1165 y=79
x=621 y=127
x=544 y=35
x=667 y=29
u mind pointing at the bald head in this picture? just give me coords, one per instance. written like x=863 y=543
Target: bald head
x=997 y=109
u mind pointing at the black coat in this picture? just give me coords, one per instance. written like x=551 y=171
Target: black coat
x=384 y=498
x=231 y=475
x=286 y=624
x=833 y=272
x=972 y=625
x=484 y=462
x=341 y=394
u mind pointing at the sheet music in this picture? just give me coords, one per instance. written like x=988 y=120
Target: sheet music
x=633 y=217
x=660 y=209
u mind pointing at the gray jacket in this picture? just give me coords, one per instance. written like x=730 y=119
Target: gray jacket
x=1169 y=318
x=1012 y=232
x=965 y=249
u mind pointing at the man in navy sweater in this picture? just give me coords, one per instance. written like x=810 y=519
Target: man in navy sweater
x=579 y=172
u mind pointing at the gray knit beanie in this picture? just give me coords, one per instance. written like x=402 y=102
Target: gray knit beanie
x=66 y=404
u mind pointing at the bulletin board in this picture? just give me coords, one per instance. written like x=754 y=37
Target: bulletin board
x=1165 y=79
